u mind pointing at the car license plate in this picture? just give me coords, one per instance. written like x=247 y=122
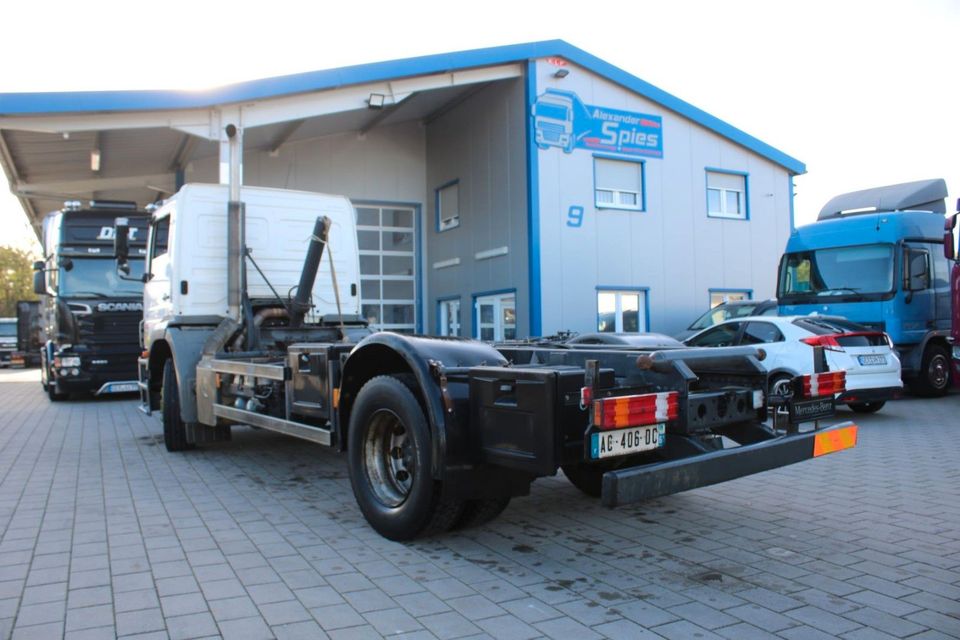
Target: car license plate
x=123 y=387
x=620 y=442
x=868 y=360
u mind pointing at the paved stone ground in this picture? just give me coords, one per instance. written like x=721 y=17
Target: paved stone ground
x=106 y=534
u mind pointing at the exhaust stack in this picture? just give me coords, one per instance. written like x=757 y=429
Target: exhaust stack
x=301 y=303
x=236 y=232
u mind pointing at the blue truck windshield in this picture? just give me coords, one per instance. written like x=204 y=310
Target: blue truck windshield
x=97 y=278
x=839 y=271
x=8 y=329
x=552 y=111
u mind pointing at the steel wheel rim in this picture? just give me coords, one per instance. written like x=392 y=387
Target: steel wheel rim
x=937 y=371
x=388 y=458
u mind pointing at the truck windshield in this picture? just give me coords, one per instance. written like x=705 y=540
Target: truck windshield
x=8 y=329
x=837 y=271
x=552 y=111
x=97 y=278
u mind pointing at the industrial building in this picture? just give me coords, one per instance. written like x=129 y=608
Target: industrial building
x=500 y=193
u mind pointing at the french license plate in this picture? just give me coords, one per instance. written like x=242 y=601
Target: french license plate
x=123 y=387
x=620 y=442
x=877 y=359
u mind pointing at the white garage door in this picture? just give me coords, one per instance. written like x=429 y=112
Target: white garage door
x=386 y=236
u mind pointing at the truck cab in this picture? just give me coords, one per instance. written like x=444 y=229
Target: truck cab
x=876 y=257
x=90 y=313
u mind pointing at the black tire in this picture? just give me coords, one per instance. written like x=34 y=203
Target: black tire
x=866 y=407
x=934 y=378
x=479 y=512
x=389 y=457
x=587 y=478
x=53 y=394
x=174 y=429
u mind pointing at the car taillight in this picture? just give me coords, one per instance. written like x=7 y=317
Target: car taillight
x=886 y=336
x=828 y=342
x=632 y=411
x=823 y=384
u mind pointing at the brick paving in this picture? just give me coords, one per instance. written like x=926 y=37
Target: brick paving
x=104 y=534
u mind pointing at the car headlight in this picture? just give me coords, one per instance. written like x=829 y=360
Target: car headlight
x=67 y=361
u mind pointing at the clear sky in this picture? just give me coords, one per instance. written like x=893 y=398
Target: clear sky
x=864 y=92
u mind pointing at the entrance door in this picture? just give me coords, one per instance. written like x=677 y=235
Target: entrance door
x=496 y=317
x=388 y=266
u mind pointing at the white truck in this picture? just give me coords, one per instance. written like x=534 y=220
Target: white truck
x=440 y=433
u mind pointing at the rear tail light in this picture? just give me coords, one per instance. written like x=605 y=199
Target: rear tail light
x=633 y=411
x=828 y=342
x=823 y=384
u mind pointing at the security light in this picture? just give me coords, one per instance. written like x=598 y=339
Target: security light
x=375 y=101
x=561 y=73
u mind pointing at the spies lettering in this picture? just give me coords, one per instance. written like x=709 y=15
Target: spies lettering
x=616 y=135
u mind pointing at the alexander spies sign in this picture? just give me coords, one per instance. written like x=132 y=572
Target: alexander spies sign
x=561 y=119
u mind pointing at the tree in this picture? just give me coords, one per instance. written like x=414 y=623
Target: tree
x=16 y=279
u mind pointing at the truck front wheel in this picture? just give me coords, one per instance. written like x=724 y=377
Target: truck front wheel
x=934 y=377
x=174 y=429
x=389 y=458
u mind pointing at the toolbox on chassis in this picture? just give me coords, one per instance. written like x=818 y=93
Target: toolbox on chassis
x=439 y=433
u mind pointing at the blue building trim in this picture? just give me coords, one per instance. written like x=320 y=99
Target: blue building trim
x=91 y=101
x=475 y=312
x=436 y=205
x=646 y=300
x=533 y=208
x=643 y=182
x=420 y=304
x=793 y=224
x=746 y=192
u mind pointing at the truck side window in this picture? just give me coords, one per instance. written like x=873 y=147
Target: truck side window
x=917 y=272
x=161 y=233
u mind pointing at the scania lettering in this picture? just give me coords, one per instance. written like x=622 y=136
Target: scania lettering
x=90 y=313
x=876 y=257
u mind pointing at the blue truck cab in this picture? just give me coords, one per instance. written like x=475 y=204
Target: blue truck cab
x=876 y=257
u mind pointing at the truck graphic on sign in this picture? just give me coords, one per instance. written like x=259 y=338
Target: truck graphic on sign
x=561 y=119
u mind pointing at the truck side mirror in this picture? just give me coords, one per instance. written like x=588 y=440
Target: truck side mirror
x=121 y=247
x=949 y=247
x=39 y=281
x=39 y=265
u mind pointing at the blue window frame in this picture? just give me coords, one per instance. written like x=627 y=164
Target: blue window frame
x=495 y=315
x=728 y=194
x=447 y=204
x=623 y=309
x=619 y=183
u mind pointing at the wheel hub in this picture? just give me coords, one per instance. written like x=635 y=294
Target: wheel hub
x=388 y=458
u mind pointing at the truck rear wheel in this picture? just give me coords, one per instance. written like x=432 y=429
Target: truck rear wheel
x=174 y=429
x=934 y=377
x=389 y=459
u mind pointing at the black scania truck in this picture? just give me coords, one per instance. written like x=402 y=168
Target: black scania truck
x=90 y=313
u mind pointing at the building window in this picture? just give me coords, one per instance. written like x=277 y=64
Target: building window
x=448 y=206
x=449 y=317
x=622 y=311
x=618 y=184
x=496 y=316
x=727 y=195
x=386 y=239
x=719 y=296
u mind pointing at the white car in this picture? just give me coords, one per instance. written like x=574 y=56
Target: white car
x=871 y=364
